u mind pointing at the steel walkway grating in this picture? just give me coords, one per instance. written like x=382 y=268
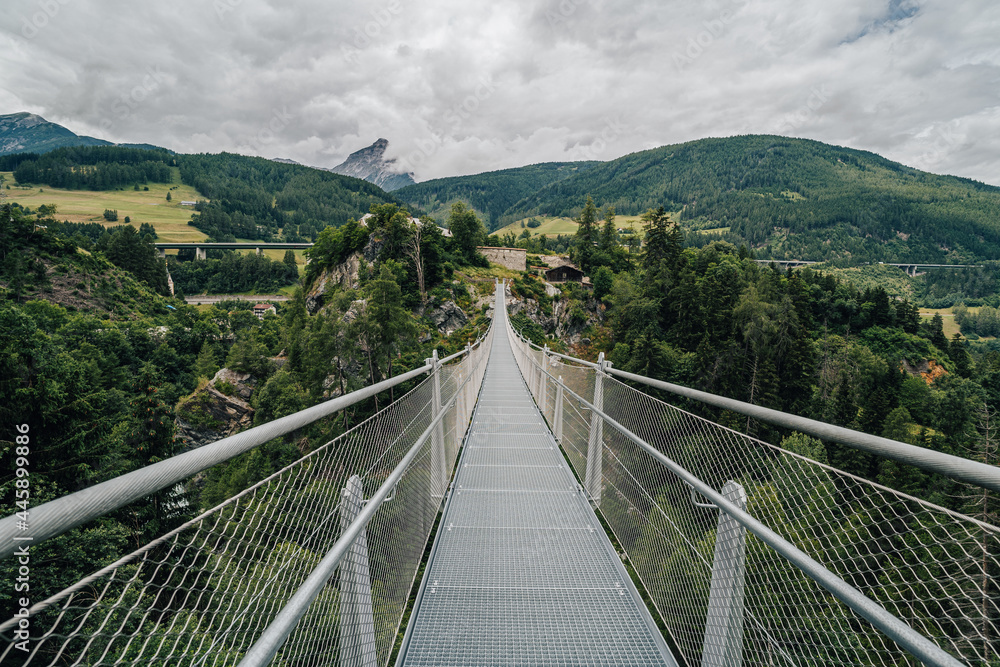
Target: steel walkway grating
x=522 y=572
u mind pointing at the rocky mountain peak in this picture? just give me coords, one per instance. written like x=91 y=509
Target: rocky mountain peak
x=370 y=164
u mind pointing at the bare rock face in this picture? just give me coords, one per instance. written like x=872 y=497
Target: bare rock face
x=217 y=411
x=559 y=323
x=370 y=164
x=346 y=275
x=448 y=317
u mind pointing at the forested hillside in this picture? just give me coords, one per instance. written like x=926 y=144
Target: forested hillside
x=491 y=194
x=254 y=198
x=245 y=197
x=104 y=371
x=786 y=199
x=800 y=341
x=91 y=167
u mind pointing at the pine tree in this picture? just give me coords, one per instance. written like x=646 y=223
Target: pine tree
x=151 y=433
x=664 y=241
x=466 y=229
x=960 y=356
x=586 y=235
x=384 y=326
x=609 y=234
x=206 y=365
x=938 y=338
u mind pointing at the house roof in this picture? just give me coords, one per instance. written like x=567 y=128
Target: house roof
x=567 y=265
x=555 y=260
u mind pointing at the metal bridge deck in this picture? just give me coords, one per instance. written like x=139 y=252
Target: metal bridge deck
x=521 y=572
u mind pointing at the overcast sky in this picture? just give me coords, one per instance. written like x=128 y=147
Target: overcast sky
x=460 y=87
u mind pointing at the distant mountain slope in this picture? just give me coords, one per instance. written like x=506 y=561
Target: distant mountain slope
x=369 y=164
x=491 y=193
x=256 y=198
x=792 y=199
x=28 y=133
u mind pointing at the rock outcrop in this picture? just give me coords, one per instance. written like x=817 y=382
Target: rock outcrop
x=346 y=275
x=447 y=317
x=560 y=322
x=216 y=411
x=929 y=370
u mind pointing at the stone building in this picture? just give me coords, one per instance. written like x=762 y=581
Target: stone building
x=510 y=258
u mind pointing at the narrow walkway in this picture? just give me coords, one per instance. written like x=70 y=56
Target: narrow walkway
x=521 y=572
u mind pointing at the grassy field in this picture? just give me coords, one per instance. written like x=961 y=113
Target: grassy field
x=552 y=227
x=948 y=319
x=169 y=218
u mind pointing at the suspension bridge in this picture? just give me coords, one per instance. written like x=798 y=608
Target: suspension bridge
x=580 y=520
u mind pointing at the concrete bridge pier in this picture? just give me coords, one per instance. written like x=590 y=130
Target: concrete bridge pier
x=200 y=254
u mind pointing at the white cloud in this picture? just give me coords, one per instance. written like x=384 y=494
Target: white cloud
x=462 y=87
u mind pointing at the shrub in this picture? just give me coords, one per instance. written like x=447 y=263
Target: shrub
x=226 y=388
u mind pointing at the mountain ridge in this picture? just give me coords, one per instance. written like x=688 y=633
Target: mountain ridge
x=784 y=198
x=25 y=132
x=369 y=164
x=490 y=193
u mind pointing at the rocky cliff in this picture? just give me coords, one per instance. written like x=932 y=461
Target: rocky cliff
x=566 y=319
x=347 y=275
x=217 y=410
x=369 y=164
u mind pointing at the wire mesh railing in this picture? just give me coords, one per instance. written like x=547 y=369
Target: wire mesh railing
x=931 y=568
x=204 y=593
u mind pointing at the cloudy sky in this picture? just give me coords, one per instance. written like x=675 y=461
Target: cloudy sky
x=460 y=86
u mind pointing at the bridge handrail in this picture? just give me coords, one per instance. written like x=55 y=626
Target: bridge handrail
x=965 y=470
x=898 y=630
x=62 y=514
x=275 y=635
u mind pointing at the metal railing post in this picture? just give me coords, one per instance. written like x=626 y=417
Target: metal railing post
x=532 y=377
x=544 y=380
x=723 y=645
x=469 y=398
x=595 y=446
x=439 y=480
x=557 y=418
x=460 y=417
x=357 y=622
